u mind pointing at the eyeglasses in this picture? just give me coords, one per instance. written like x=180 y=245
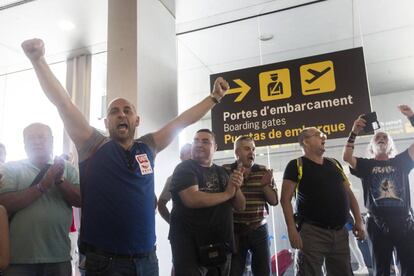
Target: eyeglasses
x=317 y=134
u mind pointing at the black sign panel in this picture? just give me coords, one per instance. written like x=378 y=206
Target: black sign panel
x=273 y=103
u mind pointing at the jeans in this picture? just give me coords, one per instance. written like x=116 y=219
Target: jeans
x=99 y=265
x=49 y=269
x=186 y=260
x=382 y=241
x=257 y=242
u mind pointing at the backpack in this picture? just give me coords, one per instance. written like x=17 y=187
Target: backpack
x=299 y=164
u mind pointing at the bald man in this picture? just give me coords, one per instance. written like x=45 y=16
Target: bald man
x=117 y=174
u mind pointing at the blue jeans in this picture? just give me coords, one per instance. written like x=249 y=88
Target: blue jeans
x=257 y=242
x=49 y=269
x=99 y=265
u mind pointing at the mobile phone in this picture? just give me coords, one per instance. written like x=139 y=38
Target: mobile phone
x=371 y=122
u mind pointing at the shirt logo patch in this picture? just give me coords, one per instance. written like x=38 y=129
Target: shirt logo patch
x=144 y=163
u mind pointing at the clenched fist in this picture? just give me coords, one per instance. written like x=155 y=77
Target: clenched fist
x=34 y=48
x=220 y=88
x=406 y=110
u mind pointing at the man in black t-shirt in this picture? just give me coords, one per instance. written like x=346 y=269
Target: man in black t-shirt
x=386 y=196
x=323 y=198
x=202 y=215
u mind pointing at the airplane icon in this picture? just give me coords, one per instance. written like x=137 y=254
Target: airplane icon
x=316 y=74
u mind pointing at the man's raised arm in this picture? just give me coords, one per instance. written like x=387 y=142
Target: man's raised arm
x=348 y=152
x=408 y=112
x=75 y=123
x=165 y=135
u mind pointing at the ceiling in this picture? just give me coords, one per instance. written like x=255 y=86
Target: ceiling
x=300 y=28
x=42 y=19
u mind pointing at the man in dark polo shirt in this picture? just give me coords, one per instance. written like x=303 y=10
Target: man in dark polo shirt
x=323 y=198
x=250 y=227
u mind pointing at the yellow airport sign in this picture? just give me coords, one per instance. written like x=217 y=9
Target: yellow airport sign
x=242 y=90
x=317 y=78
x=275 y=85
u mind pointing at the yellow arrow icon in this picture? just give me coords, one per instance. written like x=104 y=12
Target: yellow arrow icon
x=243 y=89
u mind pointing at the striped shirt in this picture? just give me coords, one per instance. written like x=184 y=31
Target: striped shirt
x=252 y=188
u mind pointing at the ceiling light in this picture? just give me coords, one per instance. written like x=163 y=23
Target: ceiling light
x=66 y=25
x=265 y=37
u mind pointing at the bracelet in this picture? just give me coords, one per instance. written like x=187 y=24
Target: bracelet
x=215 y=100
x=352 y=137
x=350 y=146
x=40 y=188
x=411 y=120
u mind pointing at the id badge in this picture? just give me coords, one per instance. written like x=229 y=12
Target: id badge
x=144 y=163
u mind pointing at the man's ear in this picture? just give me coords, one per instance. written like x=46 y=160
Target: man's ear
x=137 y=121
x=236 y=154
x=106 y=123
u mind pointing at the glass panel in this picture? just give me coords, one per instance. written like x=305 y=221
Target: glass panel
x=23 y=103
x=300 y=32
x=98 y=90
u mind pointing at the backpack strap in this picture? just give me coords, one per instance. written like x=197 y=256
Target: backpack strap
x=299 y=165
x=35 y=181
x=341 y=170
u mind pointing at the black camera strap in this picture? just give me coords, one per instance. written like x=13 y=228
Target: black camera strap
x=35 y=181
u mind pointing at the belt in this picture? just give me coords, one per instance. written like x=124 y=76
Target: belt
x=320 y=225
x=245 y=228
x=92 y=249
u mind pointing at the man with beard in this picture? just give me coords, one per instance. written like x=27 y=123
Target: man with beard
x=250 y=227
x=386 y=196
x=117 y=176
x=323 y=198
x=201 y=225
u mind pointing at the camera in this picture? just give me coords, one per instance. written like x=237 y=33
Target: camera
x=371 y=122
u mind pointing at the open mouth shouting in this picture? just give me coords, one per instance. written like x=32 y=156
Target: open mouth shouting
x=122 y=127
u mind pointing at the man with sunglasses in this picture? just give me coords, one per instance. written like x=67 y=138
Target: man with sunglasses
x=323 y=199
x=386 y=187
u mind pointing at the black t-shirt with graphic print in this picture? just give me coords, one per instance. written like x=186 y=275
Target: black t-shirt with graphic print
x=202 y=225
x=386 y=185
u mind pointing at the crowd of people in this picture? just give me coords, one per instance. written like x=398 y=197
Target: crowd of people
x=219 y=212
